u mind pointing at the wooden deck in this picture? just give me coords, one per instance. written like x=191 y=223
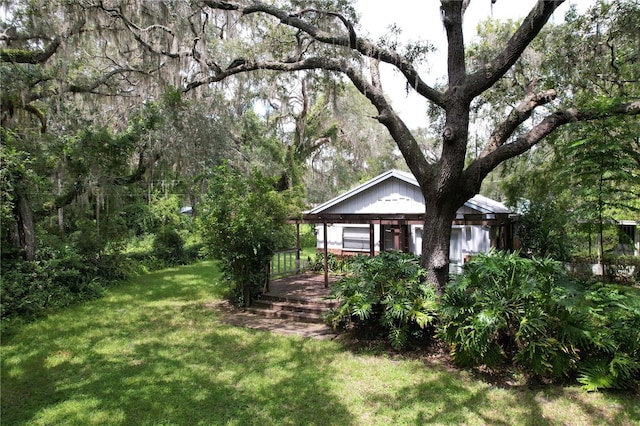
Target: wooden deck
x=309 y=287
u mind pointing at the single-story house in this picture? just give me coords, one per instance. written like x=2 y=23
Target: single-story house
x=387 y=213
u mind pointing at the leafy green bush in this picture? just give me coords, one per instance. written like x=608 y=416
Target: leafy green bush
x=334 y=263
x=168 y=246
x=612 y=359
x=56 y=281
x=388 y=292
x=543 y=227
x=244 y=222
x=507 y=309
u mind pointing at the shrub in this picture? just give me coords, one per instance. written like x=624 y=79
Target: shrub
x=334 y=263
x=505 y=308
x=387 y=292
x=244 y=222
x=58 y=280
x=612 y=359
x=526 y=312
x=168 y=246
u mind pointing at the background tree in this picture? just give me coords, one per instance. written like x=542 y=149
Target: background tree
x=590 y=174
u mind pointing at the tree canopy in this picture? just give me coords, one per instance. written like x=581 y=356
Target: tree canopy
x=227 y=57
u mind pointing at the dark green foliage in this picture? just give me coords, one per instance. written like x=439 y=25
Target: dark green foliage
x=543 y=230
x=508 y=310
x=168 y=246
x=243 y=222
x=61 y=277
x=505 y=308
x=386 y=292
x=612 y=359
x=334 y=264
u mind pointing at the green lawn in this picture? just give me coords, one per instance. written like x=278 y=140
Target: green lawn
x=152 y=352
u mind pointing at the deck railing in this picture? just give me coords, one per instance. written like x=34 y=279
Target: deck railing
x=285 y=263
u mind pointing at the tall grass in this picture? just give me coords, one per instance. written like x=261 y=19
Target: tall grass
x=153 y=352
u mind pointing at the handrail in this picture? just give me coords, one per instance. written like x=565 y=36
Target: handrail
x=285 y=262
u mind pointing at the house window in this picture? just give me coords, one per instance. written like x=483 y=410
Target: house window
x=355 y=238
x=627 y=234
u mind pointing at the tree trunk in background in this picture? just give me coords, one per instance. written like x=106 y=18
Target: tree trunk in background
x=60 y=209
x=26 y=234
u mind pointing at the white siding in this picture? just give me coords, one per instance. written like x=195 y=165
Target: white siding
x=475 y=239
x=469 y=240
x=390 y=196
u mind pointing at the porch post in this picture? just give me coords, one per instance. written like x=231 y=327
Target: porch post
x=372 y=251
x=297 y=247
x=326 y=256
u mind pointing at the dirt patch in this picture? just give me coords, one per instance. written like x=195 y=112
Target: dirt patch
x=238 y=317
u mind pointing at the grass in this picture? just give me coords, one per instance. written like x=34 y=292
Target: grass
x=152 y=352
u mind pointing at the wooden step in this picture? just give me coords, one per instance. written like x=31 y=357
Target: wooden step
x=287 y=306
x=299 y=310
x=327 y=303
x=305 y=317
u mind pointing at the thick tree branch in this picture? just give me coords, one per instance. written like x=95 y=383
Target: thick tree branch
x=516 y=117
x=27 y=56
x=452 y=17
x=39 y=114
x=486 y=77
x=398 y=130
x=9 y=104
x=374 y=69
x=20 y=56
x=481 y=167
x=243 y=66
x=363 y=46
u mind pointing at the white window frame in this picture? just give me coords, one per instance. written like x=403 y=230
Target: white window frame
x=355 y=238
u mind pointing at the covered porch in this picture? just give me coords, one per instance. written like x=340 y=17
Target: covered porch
x=402 y=232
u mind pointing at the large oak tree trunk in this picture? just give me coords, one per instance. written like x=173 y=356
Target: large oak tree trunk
x=435 y=247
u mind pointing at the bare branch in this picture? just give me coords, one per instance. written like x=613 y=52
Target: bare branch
x=242 y=66
x=481 y=167
x=352 y=33
x=136 y=31
x=516 y=117
x=484 y=78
